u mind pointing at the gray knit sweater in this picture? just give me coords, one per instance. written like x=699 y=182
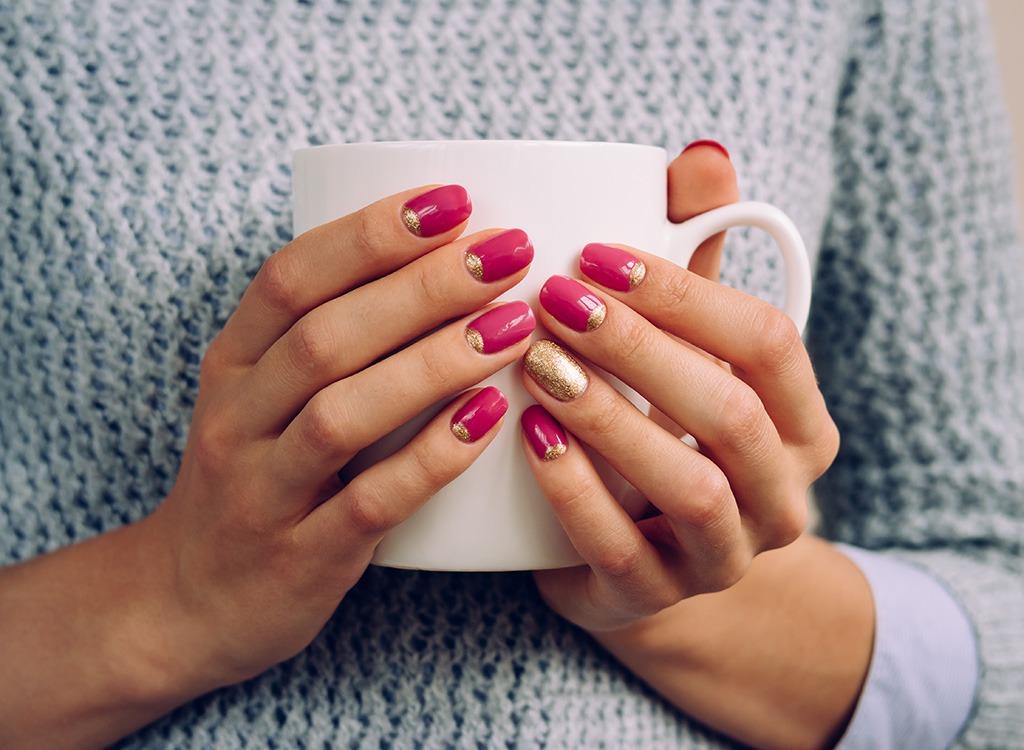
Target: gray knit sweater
x=145 y=175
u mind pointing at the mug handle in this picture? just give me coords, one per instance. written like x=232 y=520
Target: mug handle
x=685 y=238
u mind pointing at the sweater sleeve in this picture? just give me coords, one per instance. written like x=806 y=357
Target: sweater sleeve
x=918 y=327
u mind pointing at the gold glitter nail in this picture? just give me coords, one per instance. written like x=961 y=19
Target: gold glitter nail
x=637 y=274
x=460 y=431
x=554 y=451
x=412 y=220
x=475 y=266
x=555 y=370
x=475 y=339
x=596 y=317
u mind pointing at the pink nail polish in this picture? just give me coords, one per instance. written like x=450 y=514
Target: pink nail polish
x=612 y=267
x=708 y=142
x=437 y=210
x=543 y=433
x=501 y=327
x=572 y=304
x=478 y=415
x=499 y=256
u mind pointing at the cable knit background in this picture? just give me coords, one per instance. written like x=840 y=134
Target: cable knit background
x=145 y=176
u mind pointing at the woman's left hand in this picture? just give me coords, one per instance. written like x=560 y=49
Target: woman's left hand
x=726 y=368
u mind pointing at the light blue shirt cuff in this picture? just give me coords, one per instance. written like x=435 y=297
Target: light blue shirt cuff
x=924 y=670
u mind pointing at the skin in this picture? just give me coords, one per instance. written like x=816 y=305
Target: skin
x=102 y=637
x=772 y=648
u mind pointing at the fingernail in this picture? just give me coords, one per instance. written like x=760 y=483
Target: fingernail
x=708 y=142
x=437 y=210
x=612 y=267
x=501 y=327
x=499 y=256
x=555 y=370
x=543 y=433
x=478 y=415
x=572 y=304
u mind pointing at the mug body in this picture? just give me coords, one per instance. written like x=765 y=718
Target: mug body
x=563 y=195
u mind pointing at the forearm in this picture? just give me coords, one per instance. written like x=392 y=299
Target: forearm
x=778 y=660
x=88 y=652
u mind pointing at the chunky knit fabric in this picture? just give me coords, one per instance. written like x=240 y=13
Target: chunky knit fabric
x=145 y=176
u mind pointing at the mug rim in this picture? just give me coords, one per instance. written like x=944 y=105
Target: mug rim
x=477 y=143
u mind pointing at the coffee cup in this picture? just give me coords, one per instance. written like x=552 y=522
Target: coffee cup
x=564 y=195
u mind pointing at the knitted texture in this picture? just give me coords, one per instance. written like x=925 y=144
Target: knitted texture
x=145 y=176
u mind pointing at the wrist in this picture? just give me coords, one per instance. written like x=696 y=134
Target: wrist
x=163 y=657
x=92 y=651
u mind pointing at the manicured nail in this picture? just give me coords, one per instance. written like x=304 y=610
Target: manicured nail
x=572 y=304
x=499 y=256
x=555 y=370
x=437 y=210
x=543 y=433
x=478 y=415
x=612 y=267
x=501 y=327
x=709 y=142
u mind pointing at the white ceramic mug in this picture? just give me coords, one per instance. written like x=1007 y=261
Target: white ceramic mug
x=563 y=195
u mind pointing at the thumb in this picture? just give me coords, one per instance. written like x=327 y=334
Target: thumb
x=699 y=179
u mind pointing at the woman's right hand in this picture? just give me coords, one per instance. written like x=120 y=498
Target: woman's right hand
x=258 y=540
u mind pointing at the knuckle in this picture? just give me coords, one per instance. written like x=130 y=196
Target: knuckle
x=575 y=491
x=212 y=443
x=214 y=363
x=369 y=512
x=788 y=523
x=676 y=290
x=743 y=418
x=725 y=573
x=433 y=470
x=323 y=428
x=310 y=346
x=433 y=294
x=605 y=415
x=828 y=445
x=665 y=596
x=779 y=348
x=369 y=240
x=638 y=341
x=436 y=365
x=621 y=559
x=709 y=501
x=278 y=282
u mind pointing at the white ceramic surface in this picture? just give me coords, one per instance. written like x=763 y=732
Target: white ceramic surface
x=563 y=195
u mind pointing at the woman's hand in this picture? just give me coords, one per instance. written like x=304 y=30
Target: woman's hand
x=258 y=541
x=760 y=422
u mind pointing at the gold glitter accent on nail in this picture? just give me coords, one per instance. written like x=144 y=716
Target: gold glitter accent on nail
x=555 y=370
x=476 y=268
x=554 y=451
x=596 y=317
x=475 y=339
x=637 y=274
x=412 y=220
x=460 y=431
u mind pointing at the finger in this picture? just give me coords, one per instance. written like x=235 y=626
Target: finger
x=331 y=259
x=631 y=574
x=759 y=341
x=350 y=414
x=724 y=414
x=687 y=487
x=348 y=526
x=701 y=178
x=344 y=335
